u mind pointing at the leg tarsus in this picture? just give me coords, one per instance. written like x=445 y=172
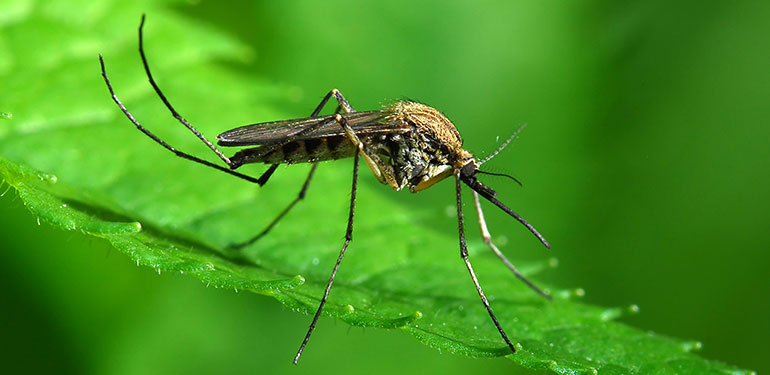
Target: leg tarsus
x=348 y=238
x=283 y=213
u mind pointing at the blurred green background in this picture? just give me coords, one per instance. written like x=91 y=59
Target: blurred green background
x=645 y=163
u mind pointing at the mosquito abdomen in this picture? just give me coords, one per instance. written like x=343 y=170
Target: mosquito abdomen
x=301 y=151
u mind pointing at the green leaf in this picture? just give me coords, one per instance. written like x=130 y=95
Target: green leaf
x=77 y=163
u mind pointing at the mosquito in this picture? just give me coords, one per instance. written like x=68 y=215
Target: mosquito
x=405 y=145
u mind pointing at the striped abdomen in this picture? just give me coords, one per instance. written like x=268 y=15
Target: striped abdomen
x=304 y=151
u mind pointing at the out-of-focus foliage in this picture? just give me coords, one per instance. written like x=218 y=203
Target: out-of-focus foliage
x=636 y=148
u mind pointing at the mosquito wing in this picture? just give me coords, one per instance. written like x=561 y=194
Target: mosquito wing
x=362 y=123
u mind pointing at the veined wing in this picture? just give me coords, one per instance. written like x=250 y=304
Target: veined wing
x=362 y=123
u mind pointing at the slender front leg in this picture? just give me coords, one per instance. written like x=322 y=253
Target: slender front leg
x=348 y=238
x=488 y=240
x=464 y=255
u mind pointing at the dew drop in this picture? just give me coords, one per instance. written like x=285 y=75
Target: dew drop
x=692 y=345
x=609 y=314
x=316 y=261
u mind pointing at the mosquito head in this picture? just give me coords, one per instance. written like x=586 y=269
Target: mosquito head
x=468 y=174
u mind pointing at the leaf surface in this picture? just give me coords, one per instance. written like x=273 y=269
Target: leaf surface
x=77 y=163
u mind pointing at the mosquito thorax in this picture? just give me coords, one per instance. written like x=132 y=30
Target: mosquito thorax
x=421 y=157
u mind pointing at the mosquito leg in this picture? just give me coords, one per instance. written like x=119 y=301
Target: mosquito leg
x=342 y=101
x=348 y=238
x=283 y=213
x=260 y=181
x=464 y=255
x=168 y=104
x=488 y=240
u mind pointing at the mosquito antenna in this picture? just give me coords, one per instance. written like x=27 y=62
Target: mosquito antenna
x=502 y=146
x=501 y=175
x=484 y=191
